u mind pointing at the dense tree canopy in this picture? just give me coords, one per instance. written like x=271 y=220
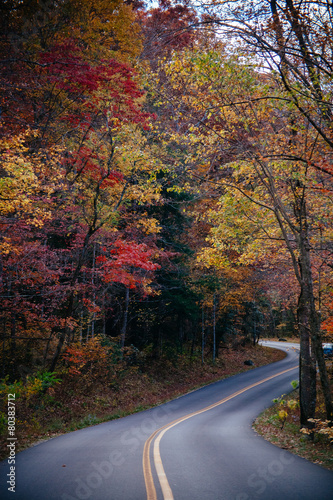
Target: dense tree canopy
x=166 y=180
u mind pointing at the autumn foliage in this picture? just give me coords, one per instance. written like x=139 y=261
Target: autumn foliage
x=162 y=191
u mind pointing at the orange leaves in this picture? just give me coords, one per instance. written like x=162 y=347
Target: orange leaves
x=78 y=356
x=91 y=306
x=107 y=27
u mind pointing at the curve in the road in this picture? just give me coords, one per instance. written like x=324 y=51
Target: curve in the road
x=159 y=433
x=214 y=456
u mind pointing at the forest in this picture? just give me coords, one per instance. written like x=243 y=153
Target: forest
x=166 y=186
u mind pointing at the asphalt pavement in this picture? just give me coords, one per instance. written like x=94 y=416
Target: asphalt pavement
x=199 y=446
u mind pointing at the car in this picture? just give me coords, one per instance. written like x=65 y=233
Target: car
x=328 y=349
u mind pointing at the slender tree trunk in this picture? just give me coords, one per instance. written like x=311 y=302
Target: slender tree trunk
x=307 y=315
x=181 y=334
x=13 y=335
x=202 y=334
x=46 y=350
x=214 y=328
x=272 y=320
x=94 y=291
x=65 y=333
x=3 y=364
x=125 y=319
x=58 y=350
x=160 y=342
x=254 y=326
x=324 y=380
x=104 y=313
x=13 y=345
x=194 y=334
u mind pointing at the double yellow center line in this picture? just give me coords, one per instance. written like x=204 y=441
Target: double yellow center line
x=159 y=433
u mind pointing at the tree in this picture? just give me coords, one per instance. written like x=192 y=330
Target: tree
x=250 y=133
x=295 y=41
x=293 y=38
x=94 y=107
x=29 y=270
x=166 y=28
x=40 y=38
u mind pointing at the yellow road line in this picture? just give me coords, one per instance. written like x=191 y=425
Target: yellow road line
x=149 y=481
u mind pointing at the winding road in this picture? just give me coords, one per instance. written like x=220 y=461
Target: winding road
x=200 y=446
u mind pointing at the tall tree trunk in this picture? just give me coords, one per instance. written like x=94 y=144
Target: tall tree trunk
x=254 y=325
x=307 y=365
x=214 y=328
x=46 y=350
x=181 y=333
x=104 y=313
x=202 y=334
x=13 y=345
x=309 y=324
x=307 y=315
x=65 y=333
x=125 y=320
x=194 y=334
x=324 y=379
x=94 y=291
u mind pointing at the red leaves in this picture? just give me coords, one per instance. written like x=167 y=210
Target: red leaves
x=166 y=27
x=66 y=67
x=87 y=161
x=128 y=263
x=108 y=87
x=133 y=254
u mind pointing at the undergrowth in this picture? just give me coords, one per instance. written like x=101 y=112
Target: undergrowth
x=49 y=404
x=280 y=424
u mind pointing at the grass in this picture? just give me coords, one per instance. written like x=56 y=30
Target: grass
x=86 y=400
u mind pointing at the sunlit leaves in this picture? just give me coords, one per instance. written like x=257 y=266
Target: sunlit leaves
x=24 y=194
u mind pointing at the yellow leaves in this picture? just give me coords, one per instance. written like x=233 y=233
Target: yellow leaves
x=144 y=194
x=149 y=225
x=213 y=257
x=293 y=404
x=18 y=179
x=282 y=414
x=242 y=231
x=33 y=387
x=8 y=248
x=26 y=182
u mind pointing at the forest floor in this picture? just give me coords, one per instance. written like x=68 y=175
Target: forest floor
x=280 y=425
x=85 y=400
x=91 y=398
